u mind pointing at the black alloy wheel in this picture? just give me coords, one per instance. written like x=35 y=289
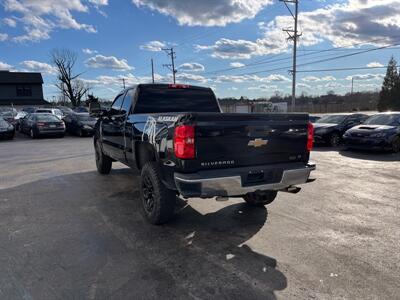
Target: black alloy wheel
x=334 y=139
x=148 y=194
x=396 y=145
x=157 y=201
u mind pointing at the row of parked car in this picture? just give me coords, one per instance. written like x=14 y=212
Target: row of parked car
x=359 y=131
x=38 y=122
x=355 y=130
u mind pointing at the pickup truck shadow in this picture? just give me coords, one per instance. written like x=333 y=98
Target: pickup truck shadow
x=207 y=253
x=82 y=236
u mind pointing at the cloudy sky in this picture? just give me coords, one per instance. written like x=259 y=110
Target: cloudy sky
x=235 y=46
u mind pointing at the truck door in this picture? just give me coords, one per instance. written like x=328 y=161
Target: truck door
x=112 y=129
x=124 y=141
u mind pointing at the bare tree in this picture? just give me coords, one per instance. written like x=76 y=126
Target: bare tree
x=68 y=83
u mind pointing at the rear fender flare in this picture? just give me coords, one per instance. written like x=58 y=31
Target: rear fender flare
x=145 y=152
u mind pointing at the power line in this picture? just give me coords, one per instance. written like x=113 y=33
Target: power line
x=341 y=69
x=152 y=71
x=314 y=52
x=318 y=61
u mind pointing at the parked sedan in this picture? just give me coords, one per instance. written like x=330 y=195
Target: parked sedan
x=29 y=110
x=55 y=111
x=40 y=124
x=81 y=109
x=81 y=124
x=20 y=115
x=65 y=110
x=7 y=130
x=313 y=118
x=330 y=129
x=379 y=132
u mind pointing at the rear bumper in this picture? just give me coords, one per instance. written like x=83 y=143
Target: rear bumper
x=51 y=131
x=230 y=182
x=7 y=134
x=367 y=143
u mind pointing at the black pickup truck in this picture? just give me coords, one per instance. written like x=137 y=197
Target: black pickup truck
x=182 y=144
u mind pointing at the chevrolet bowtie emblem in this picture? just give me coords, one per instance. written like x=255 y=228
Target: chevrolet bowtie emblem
x=258 y=143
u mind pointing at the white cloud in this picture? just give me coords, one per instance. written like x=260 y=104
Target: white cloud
x=108 y=62
x=316 y=79
x=251 y=78
x=374 y=64
x=303 y=85
x=3 y=37
x=186 y=77
x=40 y=18
x=89 y=51
x=374 y=22
x=10 y=22
x=206 y=13
x=334 y=85
x=117 y=81
x=153 y=46
x=236 y=64
x=366 y=77
x=264 y=87
x=276 y=77
x=244 y=49
x=191 y=67
x=99 y=2
x=345 y=24
x=37 y=66
x=5 y=66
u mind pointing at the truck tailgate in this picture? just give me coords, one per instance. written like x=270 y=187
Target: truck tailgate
x=234 y=140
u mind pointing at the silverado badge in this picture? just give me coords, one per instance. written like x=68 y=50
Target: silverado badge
x=258 y=143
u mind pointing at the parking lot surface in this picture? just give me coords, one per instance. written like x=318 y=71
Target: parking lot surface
x=67 y=232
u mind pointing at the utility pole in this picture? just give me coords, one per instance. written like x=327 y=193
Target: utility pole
x=352 y=85
x=152 y=70
x=170 y=52
x=293 y=35
x=123 y=82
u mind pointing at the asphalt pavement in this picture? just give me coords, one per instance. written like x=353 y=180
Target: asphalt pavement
x=67 y=232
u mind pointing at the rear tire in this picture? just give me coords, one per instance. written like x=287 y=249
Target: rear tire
x=103 y=162
x=261 y=198
x=396 y=145
x=334 y=139
x=32 y=133
x=158 y=202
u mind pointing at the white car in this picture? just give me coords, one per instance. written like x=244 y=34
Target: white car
x=54 y=111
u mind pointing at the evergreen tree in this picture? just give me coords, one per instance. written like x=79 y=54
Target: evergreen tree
x=389 y=97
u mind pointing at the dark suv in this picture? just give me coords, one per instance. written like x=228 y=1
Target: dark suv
x=330 y=129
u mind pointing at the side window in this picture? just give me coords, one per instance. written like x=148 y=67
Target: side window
x=116 y=106
x=126 y=106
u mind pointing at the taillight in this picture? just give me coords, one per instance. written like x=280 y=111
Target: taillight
x=310 y=136
x=184 y=142
x=40 y=124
